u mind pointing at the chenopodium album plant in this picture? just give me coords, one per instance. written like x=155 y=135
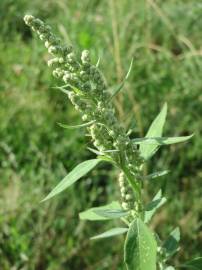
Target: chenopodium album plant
x=87 y=90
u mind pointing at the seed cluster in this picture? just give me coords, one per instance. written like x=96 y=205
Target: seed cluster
x=87 y=92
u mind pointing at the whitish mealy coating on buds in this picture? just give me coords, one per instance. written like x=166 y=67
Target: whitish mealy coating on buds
x=126 y=192
x=88 y=93
x=127 y=200
x=85 y=57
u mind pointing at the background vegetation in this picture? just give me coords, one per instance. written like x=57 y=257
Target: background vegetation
x=164 y=37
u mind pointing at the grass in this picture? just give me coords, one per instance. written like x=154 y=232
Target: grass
x=35 y=153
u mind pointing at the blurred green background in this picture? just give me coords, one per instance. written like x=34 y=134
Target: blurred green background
x=165 y=39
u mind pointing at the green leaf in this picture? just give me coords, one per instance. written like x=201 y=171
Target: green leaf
x=153 y=206
x=110 y=233
x=171 y=245
x=160 y=140
x=77 y=126
x=94 y=151
x=98 y=62
x=195 y=264
x=169 y=268
x=90 y=214
x=79 y=171
x=140 y=247
x=155 y=130
x=111 y=213
x=117 y=88
x=111 y=151
x=155 y=175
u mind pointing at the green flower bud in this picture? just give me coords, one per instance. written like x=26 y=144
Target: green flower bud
x=58 y=73
x=54 y=50
x=121 y=182
x=123 y=190
x=112 y=133
x=28 y=19
x=85 y=117
x=47 y=44
x=77 y=107
x=67 y=49
x=52 y=62
x=85 y=57
x=61 y=60
x=96 y=143
x=125 y=206
x=36 y=23
x=52 y=39
x=42 y=37
x=71 y=58
x=83 y=76
x=128 y=197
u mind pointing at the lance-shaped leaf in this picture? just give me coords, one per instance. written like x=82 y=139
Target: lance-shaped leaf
x=90 y=214
x=98 y=62
x=161 y=140
x=94 y=151
x=195 y=264
x=110 y=233
x=79 y=171
x=111 y=213
x=115 y=90
x=153 y=206
x=77 y=126
x=140 y=247
x=154 y=175
x=155 y=130
x=171 y=244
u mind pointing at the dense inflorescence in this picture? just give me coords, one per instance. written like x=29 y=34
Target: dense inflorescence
x=87 y=91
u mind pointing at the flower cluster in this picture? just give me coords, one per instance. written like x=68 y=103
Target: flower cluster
x=126 y=192
x=87 y=91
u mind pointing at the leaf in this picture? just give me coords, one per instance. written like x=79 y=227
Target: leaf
x=169 y=268
x=195 y=264
x=98 y=62
x=160 y=140
x=90 y=214
x=111 y=213
x=172 y=243
x=118 y=87
x=155 y=130
x=79 y=171
x=155 y=175
x=140 y=247
x=77 y=126
x=111 y=151
x=153 y=206
x=94 y=151
x=110 y=233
